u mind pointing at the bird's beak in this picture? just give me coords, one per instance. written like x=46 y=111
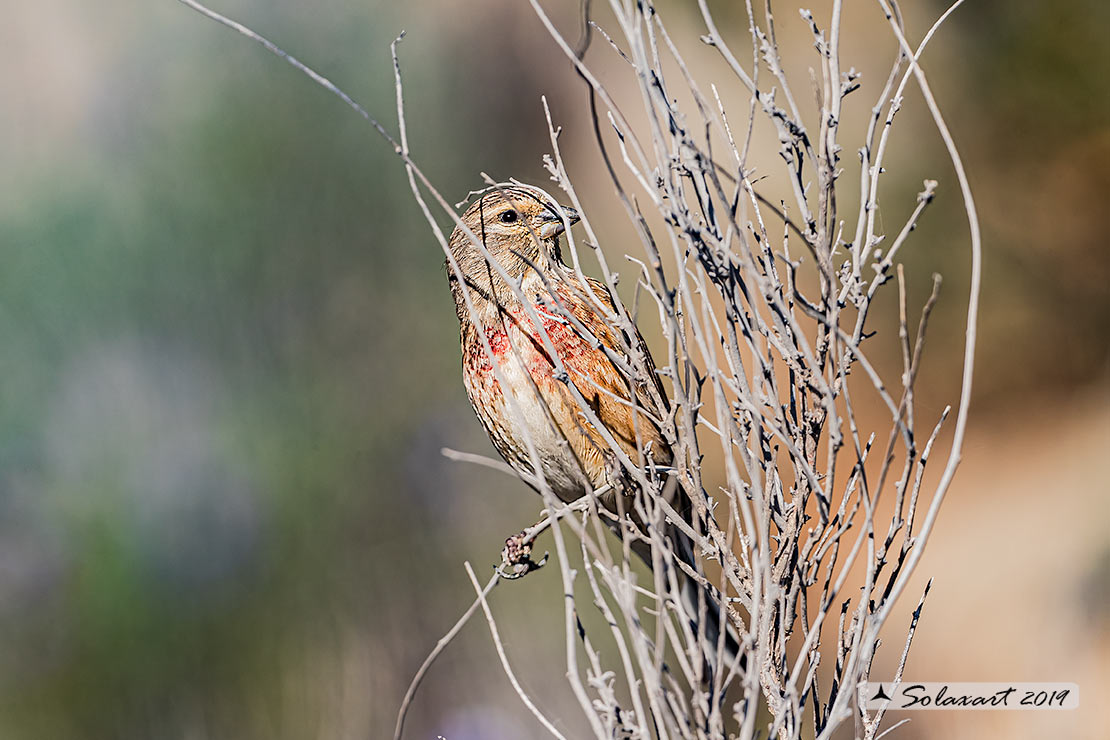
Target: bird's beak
x=551 y=224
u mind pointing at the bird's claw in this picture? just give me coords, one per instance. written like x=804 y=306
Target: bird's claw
x=516 y=558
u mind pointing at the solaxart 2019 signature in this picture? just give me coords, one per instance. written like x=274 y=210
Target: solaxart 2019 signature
x=945 y=695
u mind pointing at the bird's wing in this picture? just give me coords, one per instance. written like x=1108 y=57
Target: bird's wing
x=607 y=387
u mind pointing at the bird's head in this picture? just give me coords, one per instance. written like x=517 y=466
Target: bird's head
x=519 y=226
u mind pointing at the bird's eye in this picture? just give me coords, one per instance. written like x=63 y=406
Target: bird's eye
x=508 y=217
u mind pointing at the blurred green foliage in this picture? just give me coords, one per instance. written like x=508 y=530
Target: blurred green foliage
x=223 y=321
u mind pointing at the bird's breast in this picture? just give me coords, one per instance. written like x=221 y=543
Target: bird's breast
x=542 y=408
x=515 y=339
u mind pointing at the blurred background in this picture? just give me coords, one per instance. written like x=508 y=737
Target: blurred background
x=230 y=361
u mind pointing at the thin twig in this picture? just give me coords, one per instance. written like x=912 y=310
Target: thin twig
x=495 y=634
x=444 y=641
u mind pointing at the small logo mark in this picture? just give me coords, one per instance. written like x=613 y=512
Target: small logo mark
x=880 y=695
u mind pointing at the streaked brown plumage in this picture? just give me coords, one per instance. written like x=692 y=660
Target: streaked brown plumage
x=573 y=454
x=520 y=228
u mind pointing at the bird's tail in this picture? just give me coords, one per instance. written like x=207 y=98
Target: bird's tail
x=704 y=607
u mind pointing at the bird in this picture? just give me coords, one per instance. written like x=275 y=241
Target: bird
x=544 y=325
